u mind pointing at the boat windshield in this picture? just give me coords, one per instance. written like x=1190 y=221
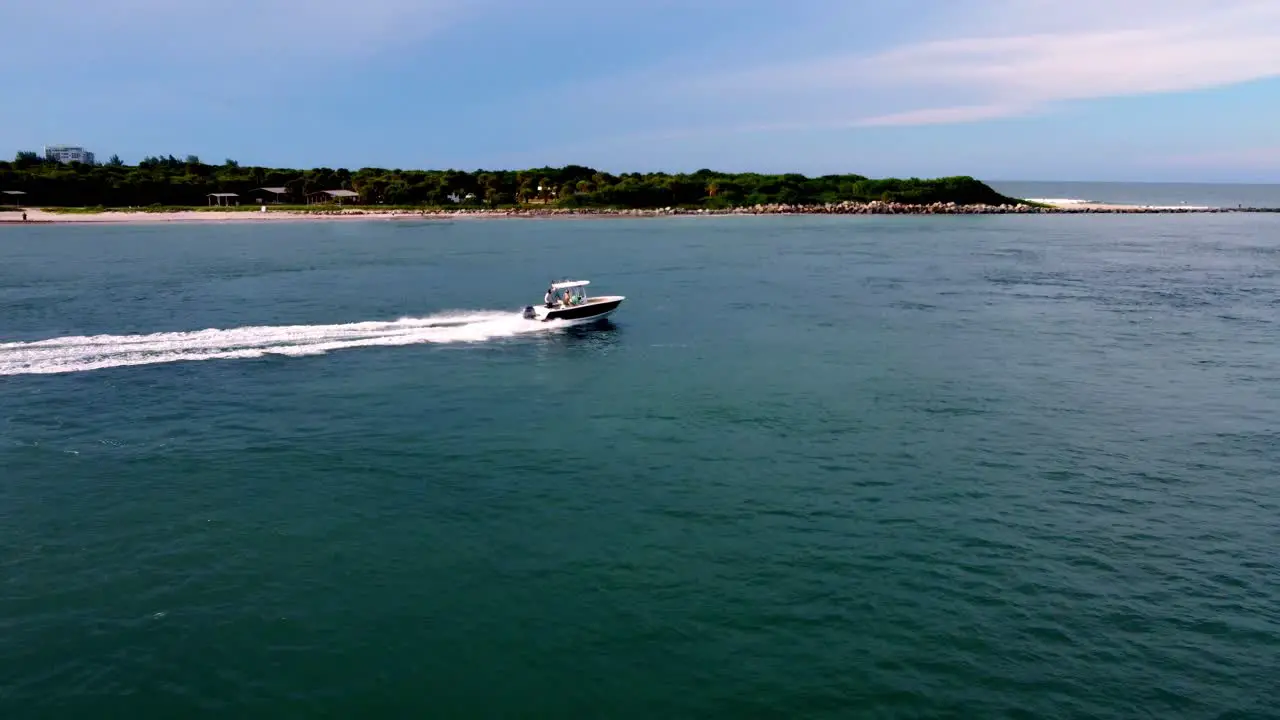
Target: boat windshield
x=576 y=295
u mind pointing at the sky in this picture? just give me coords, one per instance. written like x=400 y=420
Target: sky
x=1131 y=90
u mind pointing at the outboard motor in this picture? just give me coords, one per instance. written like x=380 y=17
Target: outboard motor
x=529 y=314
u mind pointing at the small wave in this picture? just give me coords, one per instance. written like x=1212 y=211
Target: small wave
x=1059 y=201
x=96 y=352
x=1066 y=202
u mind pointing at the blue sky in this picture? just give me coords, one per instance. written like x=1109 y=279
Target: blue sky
x=1001 y=89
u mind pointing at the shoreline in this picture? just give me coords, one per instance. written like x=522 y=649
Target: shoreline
x=1041 y=207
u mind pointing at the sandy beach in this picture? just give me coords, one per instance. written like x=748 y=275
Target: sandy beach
x=197 y=216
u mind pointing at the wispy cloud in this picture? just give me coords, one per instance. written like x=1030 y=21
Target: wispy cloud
x=1016 y=58
x=948 y=115
x=1220 y=45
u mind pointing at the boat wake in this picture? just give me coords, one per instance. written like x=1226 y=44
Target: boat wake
x=96 y=352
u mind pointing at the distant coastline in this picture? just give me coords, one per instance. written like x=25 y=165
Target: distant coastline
x=173 y=190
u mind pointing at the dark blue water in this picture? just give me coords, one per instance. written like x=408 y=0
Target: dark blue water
x=816 y=467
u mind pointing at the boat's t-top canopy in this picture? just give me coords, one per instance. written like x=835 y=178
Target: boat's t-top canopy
x=570 y=284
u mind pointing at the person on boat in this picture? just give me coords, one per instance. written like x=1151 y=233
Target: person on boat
x=567 y=299
x=549 y=298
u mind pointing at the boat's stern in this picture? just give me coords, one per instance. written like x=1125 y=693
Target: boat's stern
x=537 y=313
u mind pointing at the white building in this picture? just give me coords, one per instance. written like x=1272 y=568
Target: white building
x=68 y=154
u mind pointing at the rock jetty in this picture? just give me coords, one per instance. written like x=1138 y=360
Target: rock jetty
x=849 y=208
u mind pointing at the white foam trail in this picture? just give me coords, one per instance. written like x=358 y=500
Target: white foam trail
x=76 y=354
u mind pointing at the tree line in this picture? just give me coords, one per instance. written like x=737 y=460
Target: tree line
x=170 y=181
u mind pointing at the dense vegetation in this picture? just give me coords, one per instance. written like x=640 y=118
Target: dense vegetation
x=169 y=181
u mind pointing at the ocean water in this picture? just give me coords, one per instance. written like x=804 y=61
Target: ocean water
x=815 y=467
x=1226 y=195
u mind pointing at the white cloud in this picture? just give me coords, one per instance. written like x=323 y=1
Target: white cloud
x=1019 y=56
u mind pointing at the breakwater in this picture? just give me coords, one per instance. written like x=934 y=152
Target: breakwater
x=857 y=208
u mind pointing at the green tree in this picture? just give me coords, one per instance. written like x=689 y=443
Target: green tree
x=26 y=159
x=397 y=193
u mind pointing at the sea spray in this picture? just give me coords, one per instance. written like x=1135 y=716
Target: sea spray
x=76 y=354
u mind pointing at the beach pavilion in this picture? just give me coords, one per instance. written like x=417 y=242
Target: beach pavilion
x=14 y=196
x=324 y=196
x=221 y=198
x=276 y=191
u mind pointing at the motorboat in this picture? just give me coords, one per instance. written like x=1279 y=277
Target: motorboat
x=569 y=302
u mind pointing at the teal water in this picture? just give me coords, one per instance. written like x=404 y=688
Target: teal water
x=816 y=467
